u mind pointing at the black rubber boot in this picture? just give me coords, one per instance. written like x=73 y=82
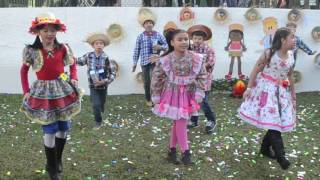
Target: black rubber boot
x=60 y=142
x=266 y=148
x=277 y=145
x=186 y=158
x=52 y=165
x=172 y=156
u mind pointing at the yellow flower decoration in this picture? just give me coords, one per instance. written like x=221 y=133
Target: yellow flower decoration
x=63 y=76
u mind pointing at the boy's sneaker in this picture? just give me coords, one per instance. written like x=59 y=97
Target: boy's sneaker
x=149 y=103
x=97 y=126
x=192 y=125
x=210 y=126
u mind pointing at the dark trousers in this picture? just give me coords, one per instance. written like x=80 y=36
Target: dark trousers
x=147 y=3
x=147 y=73
x=98 y=100
x=208 y=112
x=180 y=2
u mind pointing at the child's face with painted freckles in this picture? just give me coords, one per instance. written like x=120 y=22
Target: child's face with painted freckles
x=289 y=42
x=98 y=45
x=180 y=42
x=197 y=40
x=236 y=36
x=148 y=25
x=292 y=28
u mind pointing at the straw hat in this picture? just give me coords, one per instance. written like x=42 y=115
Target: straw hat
x=186 y=14
x=294 y=15
x=221 y=14
x=236 y=26
x=317 y=60
x=115 y=32
x=139 y=77
x=201 y=28
x=98 y=36
x=315 y=33
x=297 y=76
x=252 y=14
x=46 y=18
x=146 y=14
x=170 y=26
x=117 y=67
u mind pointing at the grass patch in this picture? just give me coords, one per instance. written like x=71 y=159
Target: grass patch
x=132 y=144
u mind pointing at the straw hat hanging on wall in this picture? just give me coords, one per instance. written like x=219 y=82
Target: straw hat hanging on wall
x=115 y=32
x=221 y=15
x=317 y=60
x=294 y=15
x=252 y=15
x=315 y=33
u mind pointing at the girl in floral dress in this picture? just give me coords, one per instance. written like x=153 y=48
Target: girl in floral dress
x=177 y=89
x=270 y=97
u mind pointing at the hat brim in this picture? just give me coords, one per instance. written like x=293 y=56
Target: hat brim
x=98 y=36
x=34 y=28
x=201 y=28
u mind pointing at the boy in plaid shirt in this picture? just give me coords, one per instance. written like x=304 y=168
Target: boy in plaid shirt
x=148 y=42
x=100 y=74
x=299 y=43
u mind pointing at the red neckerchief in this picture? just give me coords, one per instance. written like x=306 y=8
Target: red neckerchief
x=149 y=33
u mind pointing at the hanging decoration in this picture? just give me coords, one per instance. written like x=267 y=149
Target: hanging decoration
x=270 y=26
x=187 y=16
x=317 y=60
x=117 y=67
x=139 y=78
x=238 y=89
x=315 y=33
x=221 y=15
x=252 y=15
x=297 y=76
x=294 y=15
x=115 y=32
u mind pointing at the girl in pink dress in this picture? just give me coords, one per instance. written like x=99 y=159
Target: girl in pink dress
x=270 y=96
x=177 y=86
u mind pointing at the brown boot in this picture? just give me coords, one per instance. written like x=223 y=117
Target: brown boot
x=172 y=156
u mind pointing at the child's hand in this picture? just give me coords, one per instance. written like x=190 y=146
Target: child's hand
x=226 y=48
x=247 y=93
x=313 y=53
x=26 y=96
x=99 y=83
x=74 y=82
x=157 y=47
x=154 y=58
x=134 y=68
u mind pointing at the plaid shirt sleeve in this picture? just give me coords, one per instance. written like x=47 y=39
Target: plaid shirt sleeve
x=163 y=42
x=81 y=61
x=301 y=45
x=137 y=49
x=112 y=73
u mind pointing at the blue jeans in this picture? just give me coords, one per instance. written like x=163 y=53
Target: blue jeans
x=56 y=126
x=98 y=100
x=208 y=112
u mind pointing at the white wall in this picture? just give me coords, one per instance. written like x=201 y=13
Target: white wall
x=14 y=23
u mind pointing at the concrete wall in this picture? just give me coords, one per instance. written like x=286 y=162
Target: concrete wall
x=14 y=23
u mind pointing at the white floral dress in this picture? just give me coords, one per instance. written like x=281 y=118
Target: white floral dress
x=270 y=104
